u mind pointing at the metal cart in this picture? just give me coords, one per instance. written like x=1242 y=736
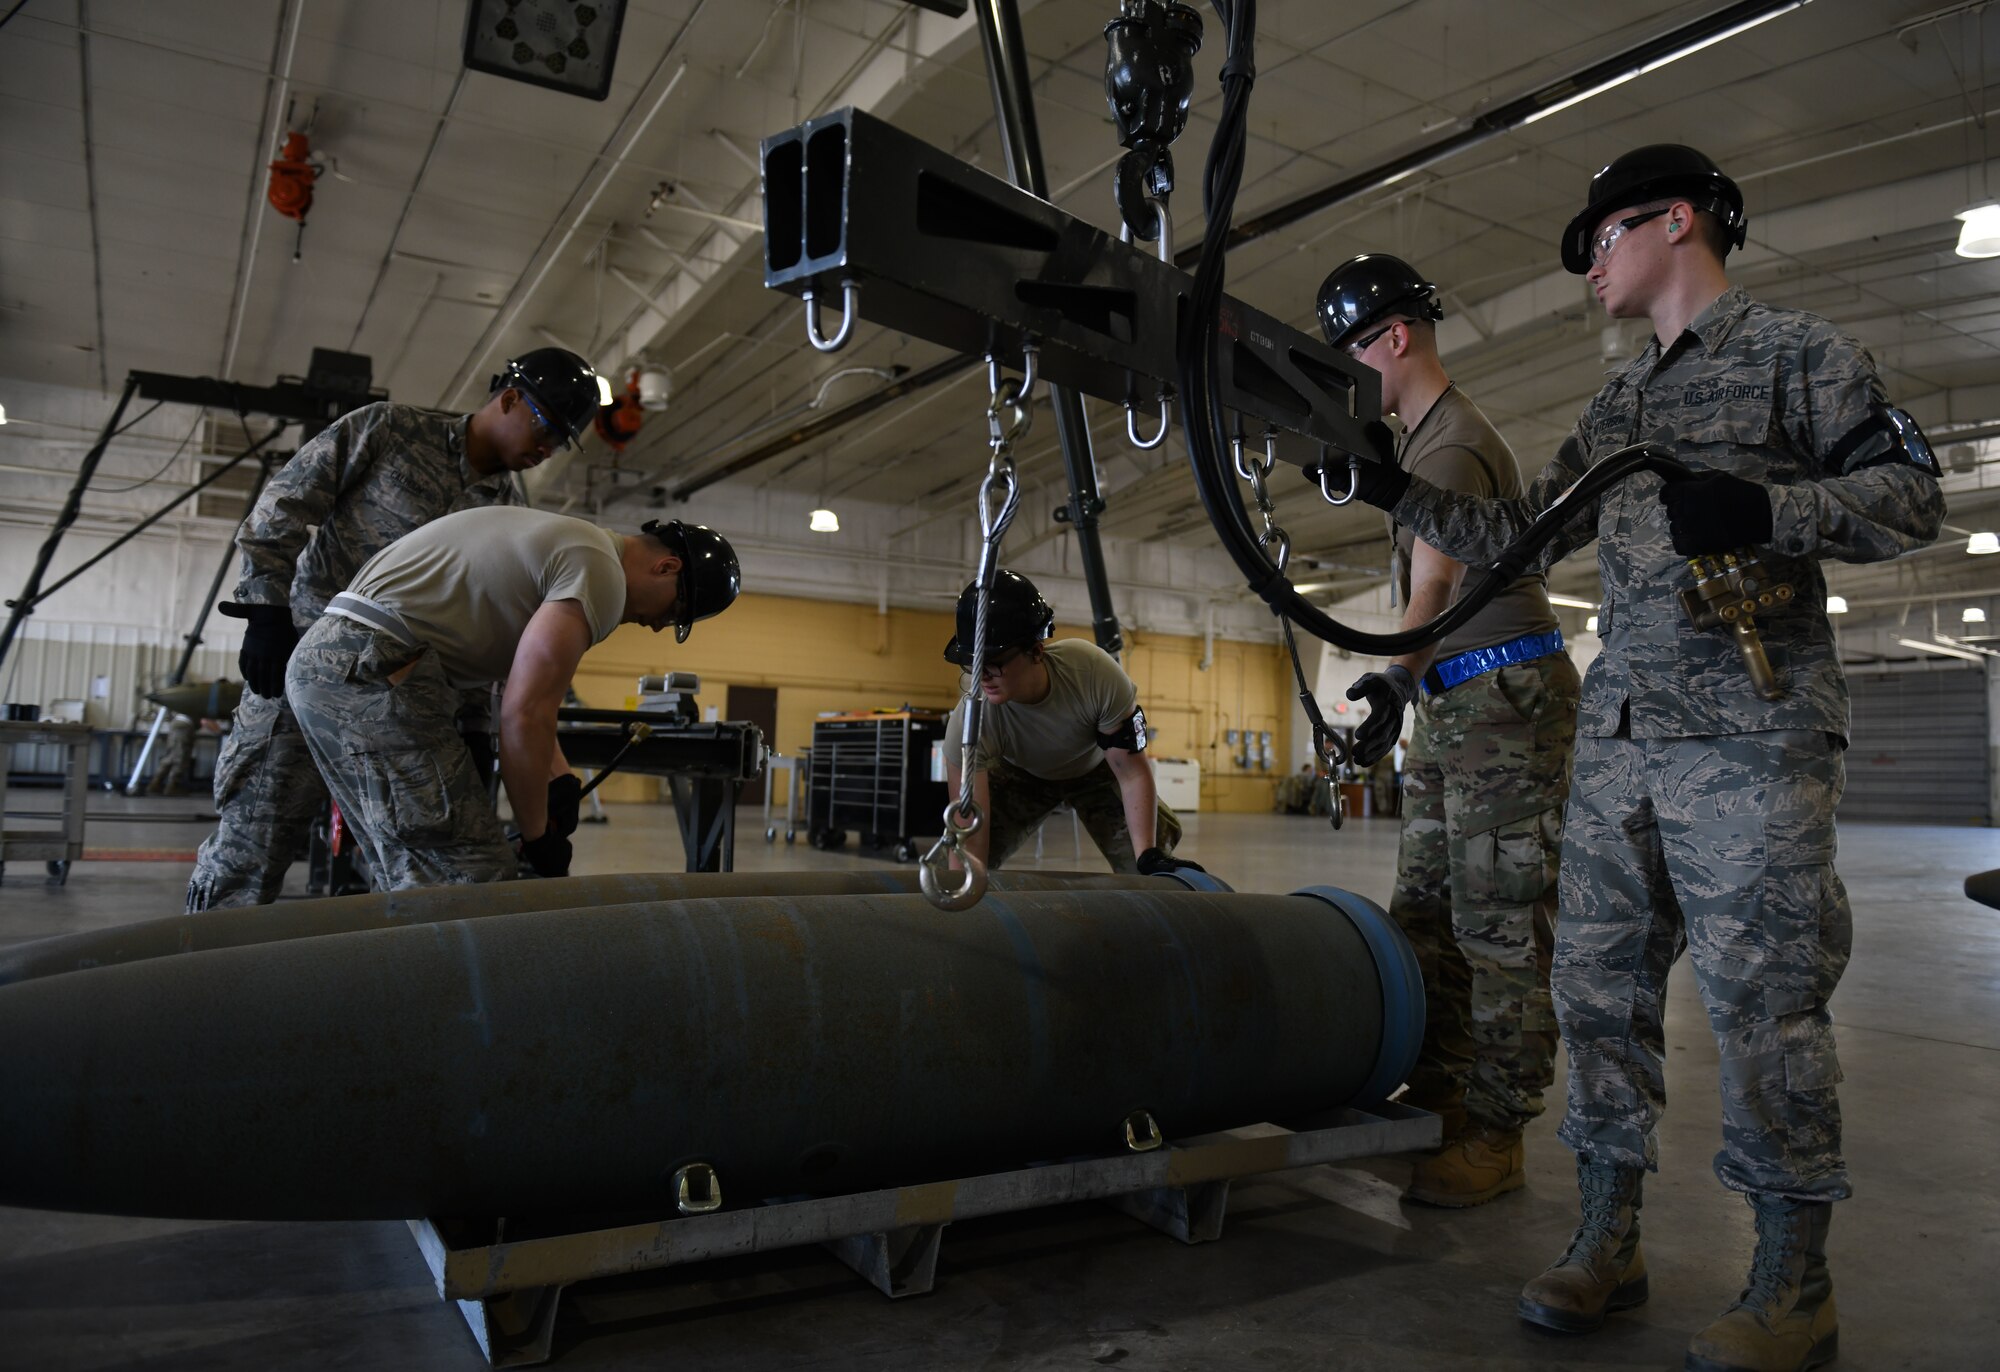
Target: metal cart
x=775 y=763
x=62 y=844
x=872 y=773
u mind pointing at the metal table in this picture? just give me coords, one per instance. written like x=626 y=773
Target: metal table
x=704 y=764
x=57 y=845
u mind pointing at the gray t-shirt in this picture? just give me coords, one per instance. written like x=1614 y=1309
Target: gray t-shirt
x=466 y=585
x=1055 y=738
x=1456 y=448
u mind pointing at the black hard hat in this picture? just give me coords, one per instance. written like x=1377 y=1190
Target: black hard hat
x=1655 y=172
x=710 y=576
x=562 y=385
x=1371 y=287
x=1017 y=614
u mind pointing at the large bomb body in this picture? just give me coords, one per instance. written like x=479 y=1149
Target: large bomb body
x=570 y=1061
x=240 y=926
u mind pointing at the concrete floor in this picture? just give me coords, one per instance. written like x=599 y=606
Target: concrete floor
x=1320 y=1268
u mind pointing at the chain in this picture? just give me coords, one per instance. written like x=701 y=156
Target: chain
x=1326 y=743
x=1008 y=416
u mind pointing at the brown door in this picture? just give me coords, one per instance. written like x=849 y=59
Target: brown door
x=758 y=705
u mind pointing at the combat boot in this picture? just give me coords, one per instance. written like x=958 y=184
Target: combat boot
x=1784 y=1321
x=1602 y=1270
x=1470 y=1170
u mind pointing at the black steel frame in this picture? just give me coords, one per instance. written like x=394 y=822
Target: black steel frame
x=939 y=249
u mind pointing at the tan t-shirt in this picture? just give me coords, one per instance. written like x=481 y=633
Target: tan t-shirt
x=1456 y=448
x=1055 y=738
x=467 y=584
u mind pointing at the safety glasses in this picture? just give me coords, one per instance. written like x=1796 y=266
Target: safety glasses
x=994 y=666
x=1361 y=345
x=545 y=432
x=1601 y=246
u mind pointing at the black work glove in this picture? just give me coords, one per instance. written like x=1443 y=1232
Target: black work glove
x=565 y=804
x=1714 y=512
x=548 y=855
x=1377 y=479
x=268 y=640
x=1387 y=693
x=1155 y=862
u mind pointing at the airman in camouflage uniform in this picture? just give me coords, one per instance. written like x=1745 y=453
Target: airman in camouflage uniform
x=357 y=486
x=1060 y=724
x=1022 y=801
x=1487 y=768
x=1701 y=817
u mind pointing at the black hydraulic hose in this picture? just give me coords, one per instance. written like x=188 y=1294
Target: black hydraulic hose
x=1276 y=589
x=1207 y=437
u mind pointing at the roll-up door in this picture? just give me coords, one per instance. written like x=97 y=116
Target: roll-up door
x=1919 y=753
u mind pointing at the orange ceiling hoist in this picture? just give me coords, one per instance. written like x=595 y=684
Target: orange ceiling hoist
x=618 y=423
x=292 y=178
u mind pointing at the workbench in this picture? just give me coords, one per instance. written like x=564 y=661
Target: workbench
x=705 y=765
x=62 y=843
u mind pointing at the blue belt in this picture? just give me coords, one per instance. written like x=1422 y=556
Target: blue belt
x=1463 y=667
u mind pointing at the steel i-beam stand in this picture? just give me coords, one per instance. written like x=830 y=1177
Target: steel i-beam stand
x=25 y=606
x=202 y=611
x=1020 y=137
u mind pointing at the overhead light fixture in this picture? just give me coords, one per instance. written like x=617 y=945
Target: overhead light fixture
x=604 y=396
x=3 y=414
x=1620 y=78
x=1972 y=614
x=656 y=387
x=1983 y=542
x=1590 y=625
x=1979 y=231
x=1574 y=602
x=824 y=521
x=1836 y=604
x=1940 y=649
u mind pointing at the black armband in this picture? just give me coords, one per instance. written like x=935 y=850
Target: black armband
x=1131 y=735
x=1906 y=447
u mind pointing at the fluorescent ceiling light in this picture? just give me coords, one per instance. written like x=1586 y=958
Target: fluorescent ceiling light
x=1979 y=231
x=1590 y=625
x=1983 y=542
x=1939 y=648
x=1663 y=60
x=1574 y=602
x=1972 y=615
x=824 y=522
x=1836 y=604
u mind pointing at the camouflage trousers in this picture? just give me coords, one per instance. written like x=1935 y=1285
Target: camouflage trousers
x=1021 y=801
x=1483 y=787
x=1723 y=847
x=392 y=756
x=267 y=794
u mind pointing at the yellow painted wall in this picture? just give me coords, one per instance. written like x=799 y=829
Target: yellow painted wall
x=833 y=656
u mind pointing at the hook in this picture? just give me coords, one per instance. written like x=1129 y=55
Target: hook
x=849 y=293
x=965 y=895
x=972 y=888
x=1132 y=425
x=1164 y=243
x=1353 y=478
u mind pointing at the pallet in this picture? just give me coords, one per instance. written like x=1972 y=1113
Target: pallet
x=509 y=1291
